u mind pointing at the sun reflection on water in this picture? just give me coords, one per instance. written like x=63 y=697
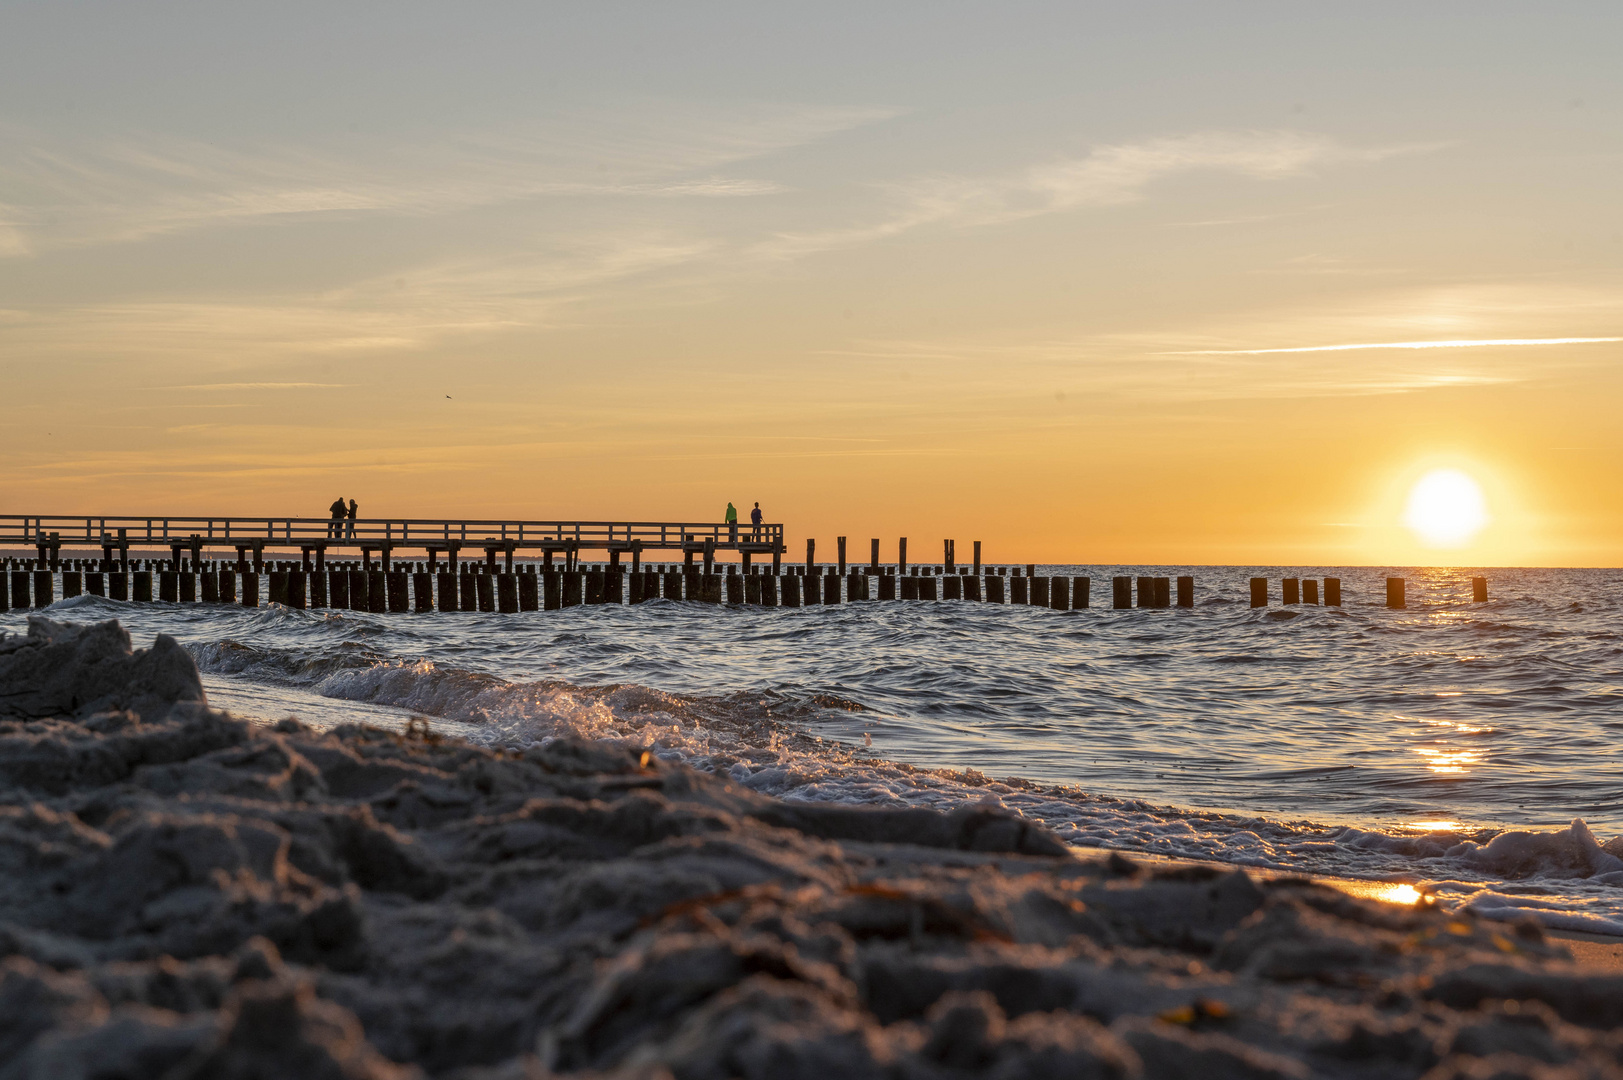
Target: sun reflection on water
x=1451 y=760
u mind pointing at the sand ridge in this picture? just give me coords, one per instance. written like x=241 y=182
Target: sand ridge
x=191 y=895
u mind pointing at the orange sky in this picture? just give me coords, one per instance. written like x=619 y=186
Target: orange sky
x=1021 y=287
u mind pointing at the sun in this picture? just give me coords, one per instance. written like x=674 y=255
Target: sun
x=1445 y=509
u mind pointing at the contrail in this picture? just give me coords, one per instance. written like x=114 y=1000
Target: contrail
x=1460 y=344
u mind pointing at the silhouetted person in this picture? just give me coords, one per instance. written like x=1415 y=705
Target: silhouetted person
x=352 y=519
x=732 y=523
x=336 y=529
x=755 y=520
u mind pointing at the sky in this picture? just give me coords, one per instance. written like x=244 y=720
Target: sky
x=1075 y=280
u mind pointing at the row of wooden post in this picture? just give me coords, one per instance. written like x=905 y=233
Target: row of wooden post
x=531 y=590
x=1306 y=591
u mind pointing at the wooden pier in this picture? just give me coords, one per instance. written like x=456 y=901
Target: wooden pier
x=382 y=538
x=531 y=566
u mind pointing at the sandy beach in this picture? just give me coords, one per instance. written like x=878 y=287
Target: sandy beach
x=192 y=895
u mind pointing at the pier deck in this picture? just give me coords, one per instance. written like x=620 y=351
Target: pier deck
x=50 y=533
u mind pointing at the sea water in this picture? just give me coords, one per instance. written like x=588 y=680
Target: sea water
x=1469 y=749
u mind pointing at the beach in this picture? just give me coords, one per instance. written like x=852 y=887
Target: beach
x=191 y=894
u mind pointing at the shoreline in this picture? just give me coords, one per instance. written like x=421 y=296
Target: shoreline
x=1602 y=952
x=196 y=895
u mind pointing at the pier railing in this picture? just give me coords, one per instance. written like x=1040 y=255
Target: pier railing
x=65 y=530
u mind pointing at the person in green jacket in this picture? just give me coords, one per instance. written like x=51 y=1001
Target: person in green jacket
x=732 y=524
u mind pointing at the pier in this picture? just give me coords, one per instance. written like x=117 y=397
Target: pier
x=531 y=566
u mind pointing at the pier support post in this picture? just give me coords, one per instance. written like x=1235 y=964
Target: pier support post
x=901 y=557
x=188 y=586
x=397 y=585
x=1039 y=591
x=295 y=589
x=1186 y=591
x=143 y=587
x=1259 y=592
x=485 y=588
x=1332 y=592
x=1146 y=591
x=1394 y=593
x=422 y=591
x=811 y=555
x=377 y=592
x=169 y=586
x=791 y=590
x=572 y=586
x=1121 y=593
x=445 y=584
x=358 y=583
x=552 y=597
x=507 y=593
x=250 y=589
x=228 y=587
x=977 y=558
x=840 y=543
x=338 y=589
x=949 y=553
x=873 y=561
x=735 y=588
x=1479 y=590
x=95 y=585
x=1059 y=593
x=318 y=588
x=1291 y=587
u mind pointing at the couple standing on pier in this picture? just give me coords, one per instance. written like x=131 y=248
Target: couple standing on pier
x=337 y=529
x=732 y=523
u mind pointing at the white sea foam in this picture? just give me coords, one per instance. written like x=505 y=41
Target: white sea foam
x=1563 y=878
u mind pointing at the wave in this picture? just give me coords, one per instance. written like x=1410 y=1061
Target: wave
x=770 y=741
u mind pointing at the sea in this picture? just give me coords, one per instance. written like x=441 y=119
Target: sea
x=1465 y=751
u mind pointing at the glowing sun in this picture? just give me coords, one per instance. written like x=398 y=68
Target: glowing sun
x=1445 y=509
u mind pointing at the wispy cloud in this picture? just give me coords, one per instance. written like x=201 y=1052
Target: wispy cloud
x=1458 y=344
x=1108 y=176
x=76 y=192
x=257 y=386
